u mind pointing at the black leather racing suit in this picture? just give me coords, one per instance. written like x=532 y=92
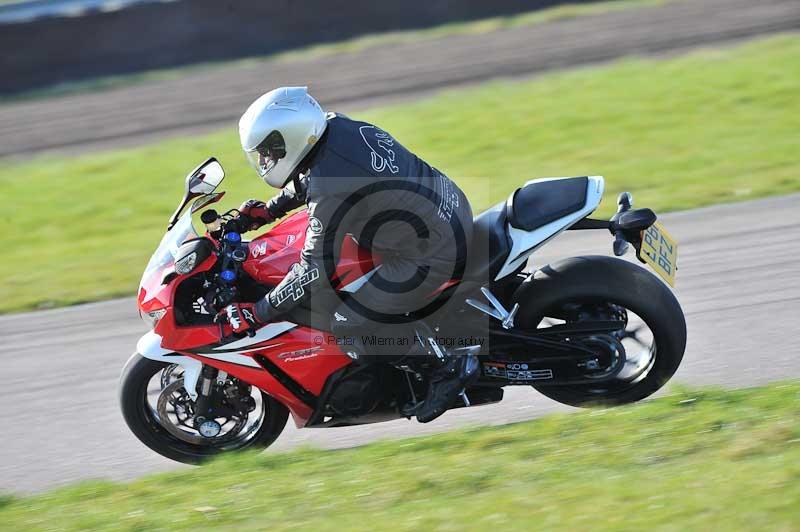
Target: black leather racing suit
x=363 y=183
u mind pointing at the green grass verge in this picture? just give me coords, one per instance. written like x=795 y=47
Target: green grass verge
x=714 y=126
x=355 y=44
x=695 y=460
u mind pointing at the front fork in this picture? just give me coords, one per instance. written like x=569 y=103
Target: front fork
x=204 y=403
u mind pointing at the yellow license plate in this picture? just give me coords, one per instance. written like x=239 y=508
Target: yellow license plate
x=660 y=251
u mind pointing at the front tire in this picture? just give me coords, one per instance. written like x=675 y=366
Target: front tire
x=607 y=280
x=143 y=420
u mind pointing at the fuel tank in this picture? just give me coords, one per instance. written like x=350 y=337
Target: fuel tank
x=272 y=255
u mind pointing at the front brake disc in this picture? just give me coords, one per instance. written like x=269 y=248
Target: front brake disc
x=166 y=399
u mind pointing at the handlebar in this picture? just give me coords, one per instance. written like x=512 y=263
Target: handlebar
x=241 y=224
x=226 y=229
x=231 y=221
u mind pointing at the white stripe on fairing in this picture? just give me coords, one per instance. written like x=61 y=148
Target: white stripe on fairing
x=361 y=281
x=262 y=335
x=235 y=358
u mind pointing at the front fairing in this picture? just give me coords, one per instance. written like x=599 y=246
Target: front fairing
x=152 y=293
x=157 y=297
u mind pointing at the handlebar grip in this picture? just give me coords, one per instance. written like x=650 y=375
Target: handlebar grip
x=209 y=216
x=240 y=224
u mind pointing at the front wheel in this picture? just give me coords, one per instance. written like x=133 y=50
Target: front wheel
x=160 y=413
x=652 y=343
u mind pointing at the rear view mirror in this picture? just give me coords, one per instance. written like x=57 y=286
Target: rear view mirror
x=205 y=178
x=202 y=181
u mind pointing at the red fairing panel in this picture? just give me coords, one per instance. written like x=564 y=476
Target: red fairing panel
x=261 y=379
x=182 y=338
x=273 y=253
x=308 y=356
x=153 y=295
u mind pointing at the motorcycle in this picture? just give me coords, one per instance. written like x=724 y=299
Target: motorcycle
x=584 y=331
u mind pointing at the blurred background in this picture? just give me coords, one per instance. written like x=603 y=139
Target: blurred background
x=692 y=105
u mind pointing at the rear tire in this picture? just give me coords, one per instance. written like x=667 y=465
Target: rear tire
x=144 y=424
x=599 y=279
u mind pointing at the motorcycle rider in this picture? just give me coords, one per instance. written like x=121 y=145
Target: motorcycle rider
x=353 y=176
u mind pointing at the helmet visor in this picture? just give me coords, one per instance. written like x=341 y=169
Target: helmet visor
x=267 y=154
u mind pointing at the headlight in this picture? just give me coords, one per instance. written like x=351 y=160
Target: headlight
x=152 y=318
x=186 y=264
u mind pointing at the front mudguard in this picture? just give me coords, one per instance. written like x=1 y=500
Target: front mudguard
x=149 y=346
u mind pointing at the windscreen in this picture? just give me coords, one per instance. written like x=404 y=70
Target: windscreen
x=172 y=240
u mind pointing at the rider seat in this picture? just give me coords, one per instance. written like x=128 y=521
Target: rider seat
x=540 y=202
x=528 y=208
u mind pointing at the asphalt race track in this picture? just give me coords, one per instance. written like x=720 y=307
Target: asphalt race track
x=738 y=282
x=203 y=100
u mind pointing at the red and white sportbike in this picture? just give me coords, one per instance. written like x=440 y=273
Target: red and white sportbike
x=583 y=331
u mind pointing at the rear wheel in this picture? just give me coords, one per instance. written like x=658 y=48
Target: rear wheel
x=639 y=358
x=159 y=411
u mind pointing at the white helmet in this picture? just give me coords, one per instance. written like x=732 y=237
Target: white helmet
x=278 y=130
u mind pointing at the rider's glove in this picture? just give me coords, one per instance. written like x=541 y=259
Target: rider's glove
x=256 y=211
x=241 y=317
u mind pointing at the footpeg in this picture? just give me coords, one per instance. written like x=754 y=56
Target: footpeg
x=464 y=398
x=497 y=310
x=437 y=349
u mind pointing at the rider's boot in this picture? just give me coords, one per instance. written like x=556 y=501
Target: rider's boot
x=447 y=382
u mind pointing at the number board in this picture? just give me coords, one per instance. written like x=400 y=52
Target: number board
x=660 y=251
